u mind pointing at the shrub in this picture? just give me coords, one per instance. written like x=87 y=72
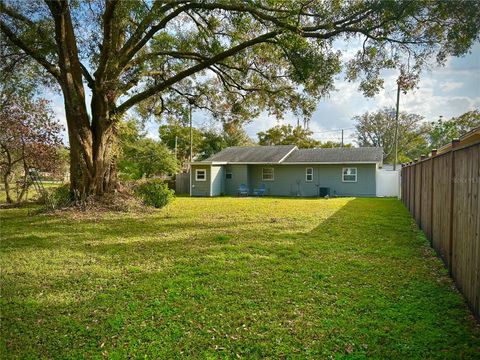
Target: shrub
x=154 y=192
x=57 y=198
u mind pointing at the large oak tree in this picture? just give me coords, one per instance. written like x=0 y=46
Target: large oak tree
x=233 y=58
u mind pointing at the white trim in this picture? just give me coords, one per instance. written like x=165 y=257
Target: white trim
x=283 y=158
x=329 y=162
x=273 y=173
x=306 y=174
x=211 y=182
x=356 y=175
x=196 y=175
x=283 y=163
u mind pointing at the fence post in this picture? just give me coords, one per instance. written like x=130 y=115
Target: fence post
x=455 y=142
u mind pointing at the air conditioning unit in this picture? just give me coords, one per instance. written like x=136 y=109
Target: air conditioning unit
x=324 y=191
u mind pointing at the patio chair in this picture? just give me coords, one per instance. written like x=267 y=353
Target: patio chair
x=260 y=191
x=243 y=190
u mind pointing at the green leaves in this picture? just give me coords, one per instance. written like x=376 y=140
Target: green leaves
x=288 y=135
x=141 y=156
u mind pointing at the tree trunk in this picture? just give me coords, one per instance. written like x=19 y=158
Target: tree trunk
x=92 y=160
x=6 y=177
x=25 y=182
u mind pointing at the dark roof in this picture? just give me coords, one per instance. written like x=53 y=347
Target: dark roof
x=364 y=154
x=286 y=154
x=254 y=154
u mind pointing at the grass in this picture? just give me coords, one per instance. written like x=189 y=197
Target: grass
x=227 y=278
x=32 y=194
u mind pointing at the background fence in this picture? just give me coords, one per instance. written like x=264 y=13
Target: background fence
x=182 y=183
x=443 y=195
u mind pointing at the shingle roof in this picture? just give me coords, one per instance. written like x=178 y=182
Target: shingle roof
x=290 y=154
x=267 y=154
x=364 y=154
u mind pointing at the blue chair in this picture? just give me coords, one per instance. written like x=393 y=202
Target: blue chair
x=260 y=191
x=243 y=190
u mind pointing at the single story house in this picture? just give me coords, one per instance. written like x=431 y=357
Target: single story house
x=286 y=170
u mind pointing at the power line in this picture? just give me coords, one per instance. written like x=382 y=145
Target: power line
x=330 y=131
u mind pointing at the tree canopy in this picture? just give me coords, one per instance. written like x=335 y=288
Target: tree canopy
x=140 y=156
x=288 y=135
x=443 y=131
x=29 y=139
x=378 y=129
x=232 y=58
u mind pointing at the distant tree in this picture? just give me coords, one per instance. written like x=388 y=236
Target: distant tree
x=30 y=138
x=288 y=135
x=234 y=133
x=177 y=137
x=333 y=144
x=142 y=157
x=378 y=129
x=443 y=131
x=212 y=142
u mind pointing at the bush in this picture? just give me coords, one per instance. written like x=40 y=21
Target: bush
x=154 y=192
x=57 y=198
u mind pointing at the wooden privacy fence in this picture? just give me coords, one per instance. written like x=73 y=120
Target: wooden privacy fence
x=182 y=183
x=442 y=193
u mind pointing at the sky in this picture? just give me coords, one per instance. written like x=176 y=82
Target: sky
x=446 y=91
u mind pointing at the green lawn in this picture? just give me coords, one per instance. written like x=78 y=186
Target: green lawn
x=32 y=194
x=228 y=278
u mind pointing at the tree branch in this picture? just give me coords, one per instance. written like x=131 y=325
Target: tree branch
x=192 y=70
x=131 y=48
x=52 y=69
x=107 y=38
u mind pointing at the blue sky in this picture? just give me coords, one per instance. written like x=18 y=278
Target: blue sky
x=448 y=91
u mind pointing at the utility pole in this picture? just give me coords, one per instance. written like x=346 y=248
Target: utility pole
x=176 y=141
x=342 y=138
x=191 y=133
x=396 y=127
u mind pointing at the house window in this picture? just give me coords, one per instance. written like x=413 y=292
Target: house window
x=268 y=174
x=349 y=175
x=228 y=175
x=200 y=175
x=309 y=174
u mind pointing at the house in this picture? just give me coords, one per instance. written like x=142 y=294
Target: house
x=286 y=170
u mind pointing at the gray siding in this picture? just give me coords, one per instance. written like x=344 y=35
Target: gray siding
x=290 y=180
x=201 y=188
x=331 y=176
x=239 y=176
x=218 y=180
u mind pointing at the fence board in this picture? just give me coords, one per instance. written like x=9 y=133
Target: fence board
x=466 y=243
x=441 y=206
x=443 y=195
x=418 y=193
x=182 y=183
x=426 y=214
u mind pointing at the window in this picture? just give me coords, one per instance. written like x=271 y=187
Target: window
x=201 y=175
x=349 y=175
x=268 y=174
x=309 y=174
x=228 y=175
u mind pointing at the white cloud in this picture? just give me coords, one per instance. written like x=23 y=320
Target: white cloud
x=451 y=85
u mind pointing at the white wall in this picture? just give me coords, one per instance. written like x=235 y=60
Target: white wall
x=388 y=182
x=217 y=176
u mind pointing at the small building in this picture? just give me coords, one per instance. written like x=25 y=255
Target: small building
x=286 y=170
